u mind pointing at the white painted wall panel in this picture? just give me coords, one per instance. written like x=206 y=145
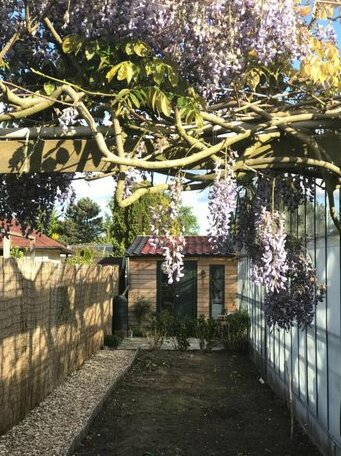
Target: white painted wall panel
x=313 y=356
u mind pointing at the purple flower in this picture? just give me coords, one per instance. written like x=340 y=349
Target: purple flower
x=270 y=269
x=222 y=202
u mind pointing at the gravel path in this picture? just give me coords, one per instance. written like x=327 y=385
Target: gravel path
x=58 y=423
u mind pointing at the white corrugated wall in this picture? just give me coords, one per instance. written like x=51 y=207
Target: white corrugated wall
x=312 y=355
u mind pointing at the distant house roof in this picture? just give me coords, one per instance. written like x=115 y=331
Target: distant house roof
x=195 y=246
x=40 y=241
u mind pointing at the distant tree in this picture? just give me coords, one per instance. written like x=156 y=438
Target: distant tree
x=82 y=222
x=189 y=221
x=134 y=220
x=131 y=221
x=54 y=228
x=106 y=237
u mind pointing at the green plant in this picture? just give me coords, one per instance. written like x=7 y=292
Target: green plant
x=206 y=331
x=112 y=340
x=142 y=309
x=137 y=331
x=183 y=330
x=17 y=252
x=235 y=330
x=201 y=331
x=83 y=256
x=159 y=328
x=211 y=333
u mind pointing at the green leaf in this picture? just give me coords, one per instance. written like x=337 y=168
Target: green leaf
x=149 y=68
x=91 y=50
x=111 y=73
x=129 y=48
x=165 y=106
x=199 y=121
x=141 y=95
x=49 y=88
x=181 y=102
x=104 y=62
x=135 y=100
x=137 y=47
x=121 y=94
x=125 y=72
x=72 y=44
x=159 y=73
x=141 y=49
x=155 y=95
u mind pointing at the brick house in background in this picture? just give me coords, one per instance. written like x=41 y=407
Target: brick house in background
x=36 y=246
x=208 y=287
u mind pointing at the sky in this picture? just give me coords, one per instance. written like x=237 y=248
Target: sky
x=101 y=191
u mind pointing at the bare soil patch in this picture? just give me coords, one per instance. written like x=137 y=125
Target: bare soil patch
x=194 y=404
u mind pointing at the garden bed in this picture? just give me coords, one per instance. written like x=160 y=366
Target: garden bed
x=194 y=404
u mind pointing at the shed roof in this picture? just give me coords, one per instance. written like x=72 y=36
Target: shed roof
x=194 y=246
x=41 y=241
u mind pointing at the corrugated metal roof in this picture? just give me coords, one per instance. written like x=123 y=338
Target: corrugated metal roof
x=195 y=246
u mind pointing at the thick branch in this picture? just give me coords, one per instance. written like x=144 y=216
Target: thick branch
x=284 y=162
x=125 y=202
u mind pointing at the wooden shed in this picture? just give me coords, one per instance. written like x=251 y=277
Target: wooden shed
x=208 y=287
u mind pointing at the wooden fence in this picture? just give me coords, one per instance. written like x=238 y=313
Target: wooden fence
x=52 y=319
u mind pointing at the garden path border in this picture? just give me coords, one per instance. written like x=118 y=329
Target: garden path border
x=58 y=424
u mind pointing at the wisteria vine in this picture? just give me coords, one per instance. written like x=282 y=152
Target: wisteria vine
x=279 y=261
x=210 y=42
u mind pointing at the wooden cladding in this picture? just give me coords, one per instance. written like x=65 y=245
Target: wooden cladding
x=143 y=283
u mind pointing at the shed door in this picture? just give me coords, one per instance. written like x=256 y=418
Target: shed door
x=179 y=298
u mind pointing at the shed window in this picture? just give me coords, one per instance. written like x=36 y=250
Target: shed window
x=217 y=286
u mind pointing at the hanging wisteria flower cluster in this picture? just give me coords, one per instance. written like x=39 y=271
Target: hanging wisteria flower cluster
x=270 y=267
x=294 y=190
x=290 y=191
x=222 y=203
x=68 y=118
x=163 y=236
x=279 y=261
x=297 y=302
x=133 y=176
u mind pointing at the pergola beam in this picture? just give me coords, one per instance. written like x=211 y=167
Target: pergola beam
x=47 y=156
x=70 y=155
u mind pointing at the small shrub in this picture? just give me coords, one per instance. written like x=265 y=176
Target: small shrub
x=137 y=331
x=201 y=331
x=112 y=340
x=235 y=331
x=82 y=256
x=206 y=331
x=159 y=329
x=17 y=252
x=183 y=330
x=142 y=309
x=211 y=333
